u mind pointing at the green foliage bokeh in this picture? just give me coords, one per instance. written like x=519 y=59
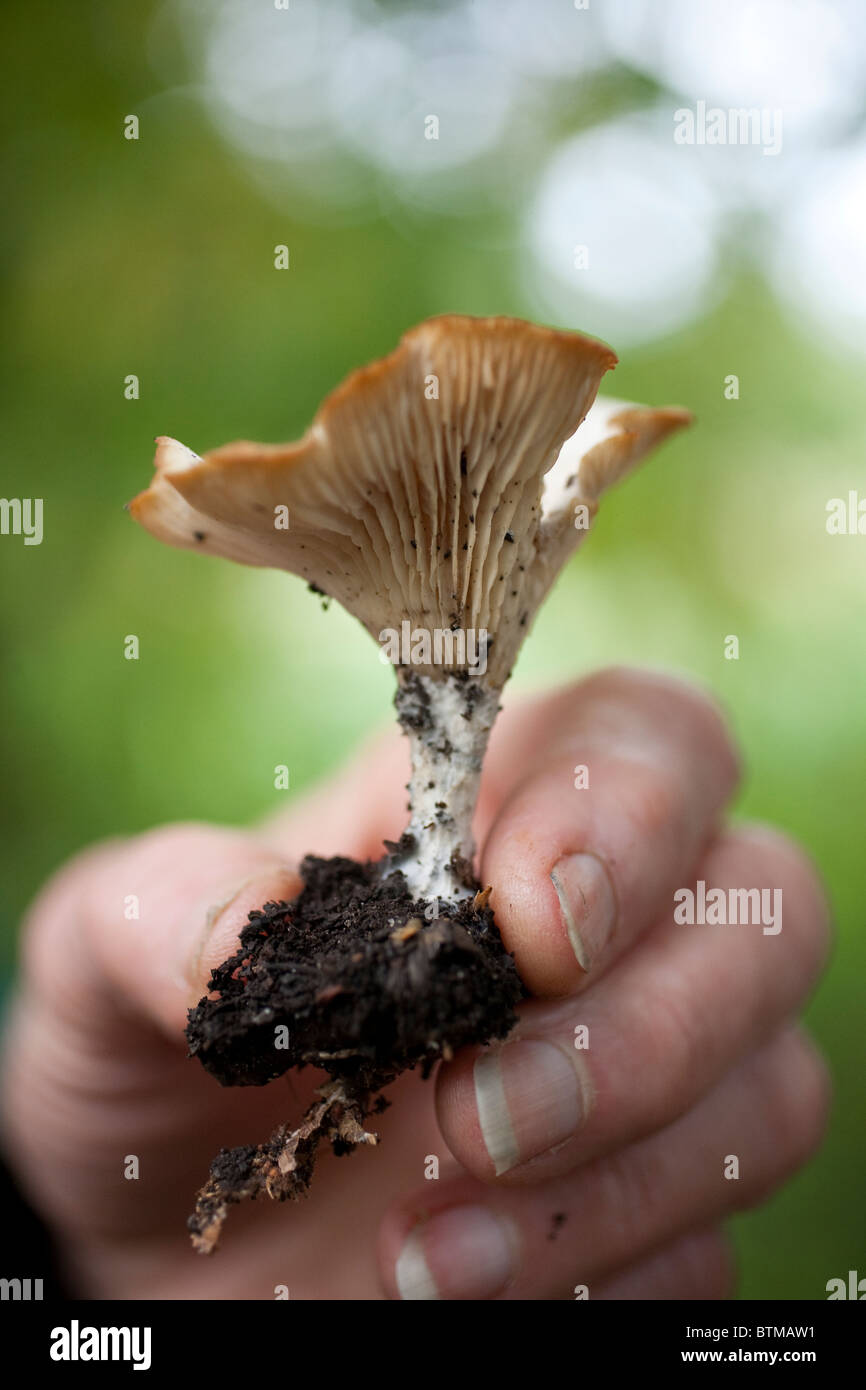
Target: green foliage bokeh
x=156 y=258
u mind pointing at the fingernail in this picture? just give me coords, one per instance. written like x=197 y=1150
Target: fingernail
x=461 y=1253
x=224 y=919
x=529 y=1099
x=192 y=961
x=588 y=905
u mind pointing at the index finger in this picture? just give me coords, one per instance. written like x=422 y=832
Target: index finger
x=627 y=777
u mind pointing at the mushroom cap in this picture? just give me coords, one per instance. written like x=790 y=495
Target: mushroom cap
x=419 y=493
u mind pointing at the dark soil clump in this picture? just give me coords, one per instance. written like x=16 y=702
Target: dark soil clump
x=354 y=977
x=360 y=979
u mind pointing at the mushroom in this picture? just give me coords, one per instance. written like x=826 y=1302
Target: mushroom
x=436 y=496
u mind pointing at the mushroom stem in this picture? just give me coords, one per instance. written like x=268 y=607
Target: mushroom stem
x=448 y=723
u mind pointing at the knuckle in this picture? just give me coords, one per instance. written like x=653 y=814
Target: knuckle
x=723 y=1268
x=179 y=836
x=781 y=859
x=677 y=1035
x=806 y=1104
x=687 y=701
x=795 y=1102
x=678 y=696
x=652 y=803
x=631 y=1189
x=708 y=1266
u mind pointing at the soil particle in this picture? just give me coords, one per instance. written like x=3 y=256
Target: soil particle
x=557 y=1221
x=412 y=703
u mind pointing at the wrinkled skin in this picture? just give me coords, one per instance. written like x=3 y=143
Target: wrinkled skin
x=694 y=1053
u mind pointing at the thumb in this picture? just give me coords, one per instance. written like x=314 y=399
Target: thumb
x=134 y=929
x=117 y=948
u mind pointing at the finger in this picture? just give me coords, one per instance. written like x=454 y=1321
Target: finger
x=95 y=1064
x=580 y=1077
x=350 y=813
x=134 y=929
x=695 y=1268
x=468 y=1240
x=578 y=873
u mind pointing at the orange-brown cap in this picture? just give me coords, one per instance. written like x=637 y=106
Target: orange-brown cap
x=419 y=491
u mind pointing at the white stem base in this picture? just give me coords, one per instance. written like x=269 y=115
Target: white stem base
x=447 y=748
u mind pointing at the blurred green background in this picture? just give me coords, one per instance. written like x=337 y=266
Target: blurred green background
x=155 y=257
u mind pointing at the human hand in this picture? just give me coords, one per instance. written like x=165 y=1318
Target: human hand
x=599 y=1165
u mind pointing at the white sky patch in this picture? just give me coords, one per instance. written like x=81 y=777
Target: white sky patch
x=326 y=108
x=650 y=228
x=818 y=263
x=542 y=38
x=805 y=56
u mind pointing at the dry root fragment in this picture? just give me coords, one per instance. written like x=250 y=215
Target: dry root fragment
x=412 y=928
x=282 y=1167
